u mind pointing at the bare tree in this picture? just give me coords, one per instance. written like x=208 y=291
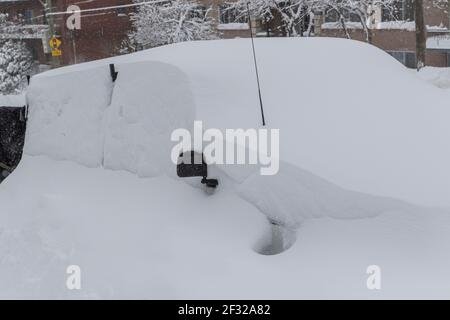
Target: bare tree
x=172 y=21
x=294 y=12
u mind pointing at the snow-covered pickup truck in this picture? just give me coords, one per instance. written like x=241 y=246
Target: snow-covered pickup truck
x=363 y=181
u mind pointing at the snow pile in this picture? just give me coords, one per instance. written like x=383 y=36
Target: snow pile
x=294 y=195
x=132 y=238
x=150 y=100
x=160 y=239
x=440 y=77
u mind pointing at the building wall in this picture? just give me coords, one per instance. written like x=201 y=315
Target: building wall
x=14 y=8
x=393 y=41
x=397 y=40
x=103 y=31
x=435 y=16
x=101 y=34
x=35 y=9
x=214 y=14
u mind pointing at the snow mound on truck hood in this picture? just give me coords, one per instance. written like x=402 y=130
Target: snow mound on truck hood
x=347 y=111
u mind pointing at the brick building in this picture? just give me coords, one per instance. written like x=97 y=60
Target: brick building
x=105 y=24
x=33 y=29
x=100 y=36
x=102 y=30
x=396 y=35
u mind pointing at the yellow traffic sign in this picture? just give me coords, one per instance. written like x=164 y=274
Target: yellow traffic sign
x=55 y=43
x=56 y=52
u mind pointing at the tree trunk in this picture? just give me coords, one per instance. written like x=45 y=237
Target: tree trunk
x=421 y=34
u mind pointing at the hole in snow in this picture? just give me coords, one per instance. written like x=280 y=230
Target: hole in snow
x=277 y=239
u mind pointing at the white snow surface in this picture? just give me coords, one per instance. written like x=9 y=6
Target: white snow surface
x=159 y=238
x=17 y=100
x=361 y=137
x=439 y=77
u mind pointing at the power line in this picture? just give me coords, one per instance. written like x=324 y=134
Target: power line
x=107 y=8
x=100 y=8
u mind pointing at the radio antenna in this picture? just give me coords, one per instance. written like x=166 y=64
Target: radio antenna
x=256 y=66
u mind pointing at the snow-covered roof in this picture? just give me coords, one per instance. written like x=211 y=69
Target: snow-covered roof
x=338 y=25
x=233 y=26
x=437 y=29
x=396 y=25
x=386 y=25
x=37 y=31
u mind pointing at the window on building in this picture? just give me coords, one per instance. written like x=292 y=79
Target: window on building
x=230 y=15
x=333 y=16
x=27 y=16
x=403 y=10
x=407 y=58
x=198 y=12
x=121 y=11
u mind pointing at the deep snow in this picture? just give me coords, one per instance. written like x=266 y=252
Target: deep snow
x=346 y=111
x=361 y=137
x=159 y=238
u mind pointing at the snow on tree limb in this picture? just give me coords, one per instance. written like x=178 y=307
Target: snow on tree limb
x=16 y=61
x=157 y=24
x=294 y=14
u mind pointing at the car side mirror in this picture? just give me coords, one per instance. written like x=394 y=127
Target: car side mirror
x=192 y=164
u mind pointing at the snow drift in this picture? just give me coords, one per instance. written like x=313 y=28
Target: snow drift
x=158 y=238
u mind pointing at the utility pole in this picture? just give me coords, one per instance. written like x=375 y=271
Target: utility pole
x=421 y=34
x=55 y=62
